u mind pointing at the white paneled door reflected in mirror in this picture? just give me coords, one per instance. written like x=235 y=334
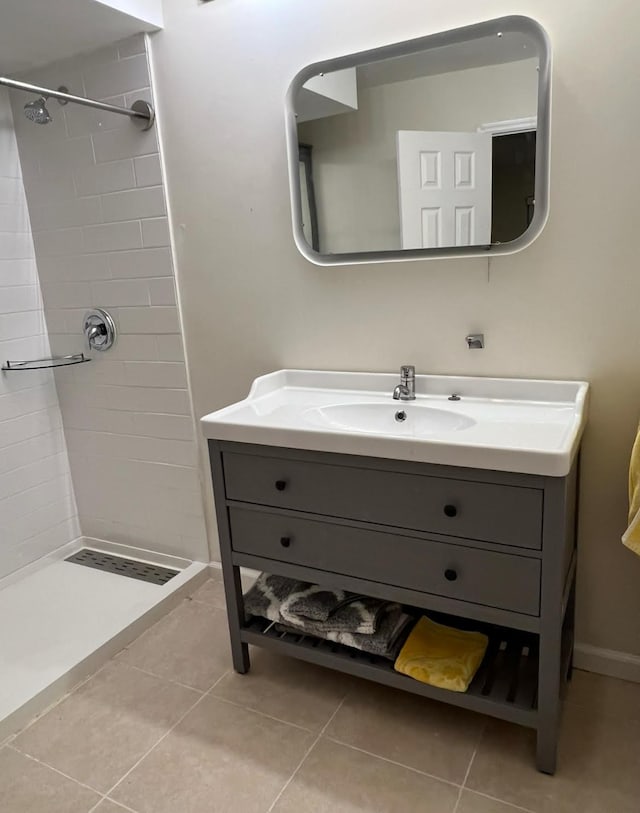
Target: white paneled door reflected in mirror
x=427 y=148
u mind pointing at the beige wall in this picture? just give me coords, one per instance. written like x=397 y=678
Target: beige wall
x=568 y=306
x=354 y=154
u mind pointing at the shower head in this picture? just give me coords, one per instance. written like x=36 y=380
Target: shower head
x=37 y=111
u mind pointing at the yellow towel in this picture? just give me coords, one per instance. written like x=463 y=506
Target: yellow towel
x=631 y=537
x=441 y=656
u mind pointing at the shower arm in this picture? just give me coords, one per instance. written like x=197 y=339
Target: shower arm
x=138 y=110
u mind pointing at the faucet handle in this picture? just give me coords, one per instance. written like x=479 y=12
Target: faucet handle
x=407 y=371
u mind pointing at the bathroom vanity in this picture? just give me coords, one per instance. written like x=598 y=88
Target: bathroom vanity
x=464 y=509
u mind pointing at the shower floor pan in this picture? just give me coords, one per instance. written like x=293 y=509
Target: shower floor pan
x=59 y=620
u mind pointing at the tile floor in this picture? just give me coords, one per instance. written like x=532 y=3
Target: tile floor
x=167 y=727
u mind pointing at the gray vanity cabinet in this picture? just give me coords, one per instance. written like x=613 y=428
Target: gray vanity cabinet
x=486 y=550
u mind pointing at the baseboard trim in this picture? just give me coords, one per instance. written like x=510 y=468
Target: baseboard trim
x=609 y=662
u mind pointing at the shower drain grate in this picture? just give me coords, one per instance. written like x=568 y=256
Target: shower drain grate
x=154 y=574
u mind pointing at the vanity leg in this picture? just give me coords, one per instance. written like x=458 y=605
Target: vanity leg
x=235 y=616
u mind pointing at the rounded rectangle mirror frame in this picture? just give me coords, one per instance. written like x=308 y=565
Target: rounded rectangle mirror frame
x=513 y=24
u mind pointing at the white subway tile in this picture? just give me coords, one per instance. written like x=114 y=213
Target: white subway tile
x=132 y=46
x=33 y=474
x=84 y=121
x=121 y=292
x=162 y=291
x=35 y=498
x=75 y=268
x=148 y=399
x=178 y=452
x=112 y=237
x=18 y=272
x=149 y=320
x=148 y=171
x=29 y=425
x=148 y=262
x=66 y=294
x=164 y=476
x=170 y=347
x=114 y=77
x=126 y=143
x=100 y=178
x=59 y=242
x=20 y=325
x=167 y=374
x=11 y=191
x=133 y=203
x=14 y=218
x=19 y=299
x=17 y=246
x=141 y=347
x=65 y=156
x=155 y=232
x=31 y=450
x=67 y=213
x=17 y=404
x=178 y=427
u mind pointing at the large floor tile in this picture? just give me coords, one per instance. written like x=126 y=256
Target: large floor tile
x=190 y=646
x=107 y=806
x=432 y=737
x=28 y=787
x=211 y=593
x=337 y=779
x=100 y=731
x=605 y=695
x=598 y=766
x=220 y=759
x=471 y=802
x=288 y=689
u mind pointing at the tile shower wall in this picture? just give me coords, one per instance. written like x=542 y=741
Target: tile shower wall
x=97 y=204
x=37 y=508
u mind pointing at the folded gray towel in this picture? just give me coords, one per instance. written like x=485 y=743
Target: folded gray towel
x=317 y=609
x=268 y=592
x=385 y=642
x=272 y=597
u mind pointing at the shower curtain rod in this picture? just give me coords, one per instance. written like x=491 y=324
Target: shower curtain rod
x=138 y=110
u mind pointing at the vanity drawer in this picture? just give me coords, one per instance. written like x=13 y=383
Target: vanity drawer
x=454 y=571
x=507 y=515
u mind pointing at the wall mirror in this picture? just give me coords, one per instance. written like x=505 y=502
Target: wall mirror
x=433 y=147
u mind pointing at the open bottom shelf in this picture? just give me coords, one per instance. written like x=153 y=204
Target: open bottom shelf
x=504 y=686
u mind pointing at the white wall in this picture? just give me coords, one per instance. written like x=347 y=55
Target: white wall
x=354 y=154
x=96 y=199
x=37 y=508
x=565 y=307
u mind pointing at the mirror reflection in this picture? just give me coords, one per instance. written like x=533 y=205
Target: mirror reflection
x=427 y=150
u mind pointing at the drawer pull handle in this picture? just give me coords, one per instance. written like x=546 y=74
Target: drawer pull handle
x=285 y=541
x=281 y=485
x=450 y=510
x=450 y=574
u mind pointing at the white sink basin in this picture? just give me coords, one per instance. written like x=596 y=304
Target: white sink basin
x=394 y=418
x=503 y=424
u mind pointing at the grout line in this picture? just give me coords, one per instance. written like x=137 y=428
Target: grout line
x=55 y=770
x=468 y=771
x=153 y=674
x=158 y=741
x=309 y=750
x=394 y=762
x=117 y=804
x=502 y=802
x=53 y=705
x=262 y=713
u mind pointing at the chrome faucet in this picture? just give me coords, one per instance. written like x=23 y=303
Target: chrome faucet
x=406 y=389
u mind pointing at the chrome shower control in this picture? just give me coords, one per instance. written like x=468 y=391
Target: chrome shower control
x=99 y=328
